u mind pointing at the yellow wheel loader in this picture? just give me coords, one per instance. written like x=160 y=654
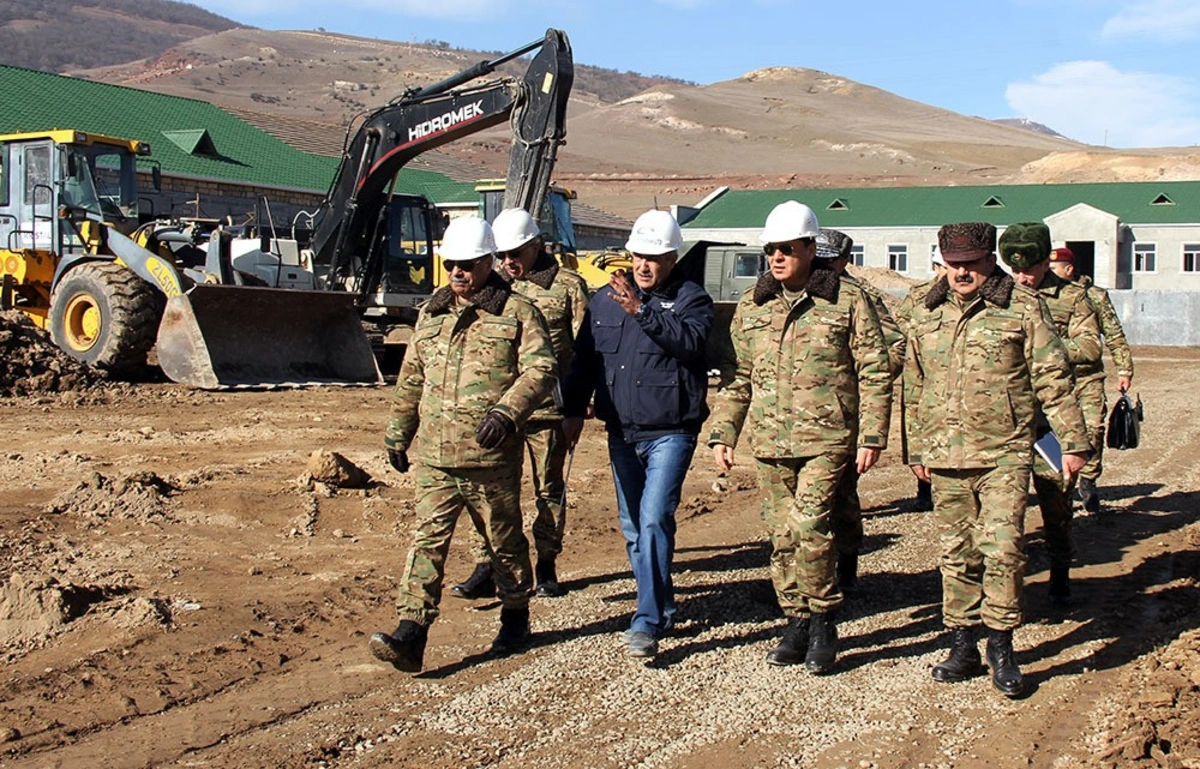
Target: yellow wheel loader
x=68 y=205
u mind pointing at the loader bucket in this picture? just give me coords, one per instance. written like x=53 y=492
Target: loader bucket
x=218 y=336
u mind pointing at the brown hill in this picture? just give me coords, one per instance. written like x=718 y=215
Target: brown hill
x=634 y=141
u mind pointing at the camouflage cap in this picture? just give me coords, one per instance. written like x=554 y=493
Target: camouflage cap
x=966 y=241
x=833 y=244
x=1025 y=244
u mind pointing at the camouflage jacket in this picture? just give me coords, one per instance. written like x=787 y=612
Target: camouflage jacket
x=893 y=335
x=1076 y=322
x=1110 y=327
x=974 y=371
x=912 y=300
x=812 y=377
x=562 y=297
x=492 y=354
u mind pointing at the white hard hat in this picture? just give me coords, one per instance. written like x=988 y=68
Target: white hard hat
x=790 y=221
x=513 y=228
x=654 y=233
x=467 y=238
x=937 y=257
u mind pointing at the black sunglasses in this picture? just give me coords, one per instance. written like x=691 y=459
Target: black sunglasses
x=787 y=249
x=465 y=266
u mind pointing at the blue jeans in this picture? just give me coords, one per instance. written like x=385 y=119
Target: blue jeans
x=649 y=477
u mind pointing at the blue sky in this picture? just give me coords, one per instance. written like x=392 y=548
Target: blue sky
x=1119 y=73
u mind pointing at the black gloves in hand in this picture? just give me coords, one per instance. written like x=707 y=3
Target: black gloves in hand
x=494 y=428
x=398 y=459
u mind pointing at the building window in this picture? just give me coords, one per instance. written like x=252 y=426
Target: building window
x=1191 y=257
x=1144 y=257
x=858 y=255
x=898 y=258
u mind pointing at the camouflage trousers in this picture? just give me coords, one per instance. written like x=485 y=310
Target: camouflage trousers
x=797 y=508
x=547 y=450
x=1094 y=405
x=1055 y=503
x=981 y=523
x=490 y=496
x=846 y=520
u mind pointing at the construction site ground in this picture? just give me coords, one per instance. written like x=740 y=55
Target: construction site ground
x=180 y=588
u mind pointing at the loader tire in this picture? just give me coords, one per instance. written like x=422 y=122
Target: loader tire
x=105 y=315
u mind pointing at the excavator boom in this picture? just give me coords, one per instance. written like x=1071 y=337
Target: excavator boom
x=347 y=230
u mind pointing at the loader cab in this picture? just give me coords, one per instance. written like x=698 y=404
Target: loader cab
x=554 y=220
x=54 y=181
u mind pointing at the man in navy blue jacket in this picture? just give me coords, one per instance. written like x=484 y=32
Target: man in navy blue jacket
x=640 y=352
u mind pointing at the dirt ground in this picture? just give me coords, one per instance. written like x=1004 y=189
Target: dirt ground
x=177 y=589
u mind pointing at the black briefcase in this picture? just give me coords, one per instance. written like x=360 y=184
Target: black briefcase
x=1124 y=423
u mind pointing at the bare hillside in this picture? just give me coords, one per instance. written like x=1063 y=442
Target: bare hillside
x=636 y=142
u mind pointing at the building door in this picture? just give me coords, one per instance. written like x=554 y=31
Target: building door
x=1085 y=257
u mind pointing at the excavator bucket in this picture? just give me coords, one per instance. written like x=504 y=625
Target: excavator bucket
x=220 y=336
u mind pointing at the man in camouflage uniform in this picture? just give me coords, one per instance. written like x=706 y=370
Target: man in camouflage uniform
x=1089 y=378
x=916 y=295
x=812 y=376
x=478 y=365
x=1025 y=248
x=833 y=249
x=562 y=296
x=983 y=354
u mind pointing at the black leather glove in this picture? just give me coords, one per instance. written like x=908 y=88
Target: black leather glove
x=398 y=460
x=494 y=428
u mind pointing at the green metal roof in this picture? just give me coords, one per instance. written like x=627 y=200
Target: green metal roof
x=1132 y=202
x=187 y=137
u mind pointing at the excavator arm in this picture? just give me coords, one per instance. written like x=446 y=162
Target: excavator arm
x=348 y=233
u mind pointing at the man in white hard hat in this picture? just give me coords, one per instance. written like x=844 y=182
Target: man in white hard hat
x=562 y=296
x=640 y=352
x=478 y=365
x=812 y=377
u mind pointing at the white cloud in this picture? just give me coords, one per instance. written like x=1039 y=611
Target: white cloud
x=1093 y=102
x=1171 y=21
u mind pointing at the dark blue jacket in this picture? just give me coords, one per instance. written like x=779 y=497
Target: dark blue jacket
x=647 y=373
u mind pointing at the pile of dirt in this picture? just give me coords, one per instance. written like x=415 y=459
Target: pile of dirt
x=33 y=609
x=30 y=364
x=1153 y=729
x=140 y=496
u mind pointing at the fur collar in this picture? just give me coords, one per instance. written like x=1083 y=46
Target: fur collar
x=997 y=289
x=491 y=298
x=545 y=267
x=822 y=282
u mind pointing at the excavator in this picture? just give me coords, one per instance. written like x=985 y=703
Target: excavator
x=76 y=258
x=377 y=244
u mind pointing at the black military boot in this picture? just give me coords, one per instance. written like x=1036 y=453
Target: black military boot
x=847 y=572
x=547 y=579
x=1088 y=495
x=514 y=632
x=924 y=501
x=793 y=645
x=1006 y=676
x=1060 y=587
x=964 y=661
x=479 y=585
x=404 y=648
x=822 y=644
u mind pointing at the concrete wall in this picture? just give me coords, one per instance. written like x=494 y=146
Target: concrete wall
x=1167 y=318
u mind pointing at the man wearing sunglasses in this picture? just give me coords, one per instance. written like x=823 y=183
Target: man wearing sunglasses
x=562 y=296
x=478 y=365
x=641 y=353
x=983 y=357
x=812 y=377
